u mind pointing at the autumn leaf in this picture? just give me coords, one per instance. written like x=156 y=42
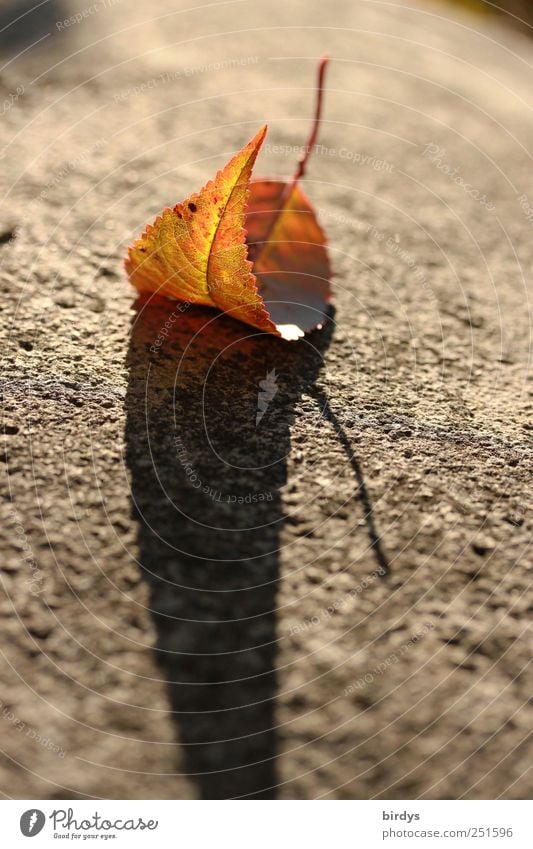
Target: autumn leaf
x=253 y=249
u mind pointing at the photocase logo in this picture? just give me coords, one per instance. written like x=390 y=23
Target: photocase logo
x=267 y=390
x=32 y=822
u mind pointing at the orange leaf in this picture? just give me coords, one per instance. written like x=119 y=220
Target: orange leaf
x=198 y=251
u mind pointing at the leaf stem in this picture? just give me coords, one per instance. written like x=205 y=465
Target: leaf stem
x=302 y=162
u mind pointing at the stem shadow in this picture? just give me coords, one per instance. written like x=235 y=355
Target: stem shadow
x=373 y=535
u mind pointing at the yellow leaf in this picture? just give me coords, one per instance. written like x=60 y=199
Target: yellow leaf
x=196 y=251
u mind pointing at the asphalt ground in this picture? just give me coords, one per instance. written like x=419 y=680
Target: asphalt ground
x=340 y=609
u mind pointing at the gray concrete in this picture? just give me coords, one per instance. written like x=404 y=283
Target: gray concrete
x=163 y=642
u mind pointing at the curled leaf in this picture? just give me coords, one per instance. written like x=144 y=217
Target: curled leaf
x=252 y=249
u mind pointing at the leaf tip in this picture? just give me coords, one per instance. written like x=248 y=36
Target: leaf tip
x=260 y=135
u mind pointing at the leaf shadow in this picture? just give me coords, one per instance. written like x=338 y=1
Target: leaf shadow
x=205 y=486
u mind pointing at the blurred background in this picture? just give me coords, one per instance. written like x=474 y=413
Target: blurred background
x=515 y=12
x=361 y=630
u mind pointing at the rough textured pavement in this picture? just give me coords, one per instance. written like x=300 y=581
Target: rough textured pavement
x=163 y=638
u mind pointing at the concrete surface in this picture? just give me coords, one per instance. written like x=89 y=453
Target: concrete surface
x=161 y=640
